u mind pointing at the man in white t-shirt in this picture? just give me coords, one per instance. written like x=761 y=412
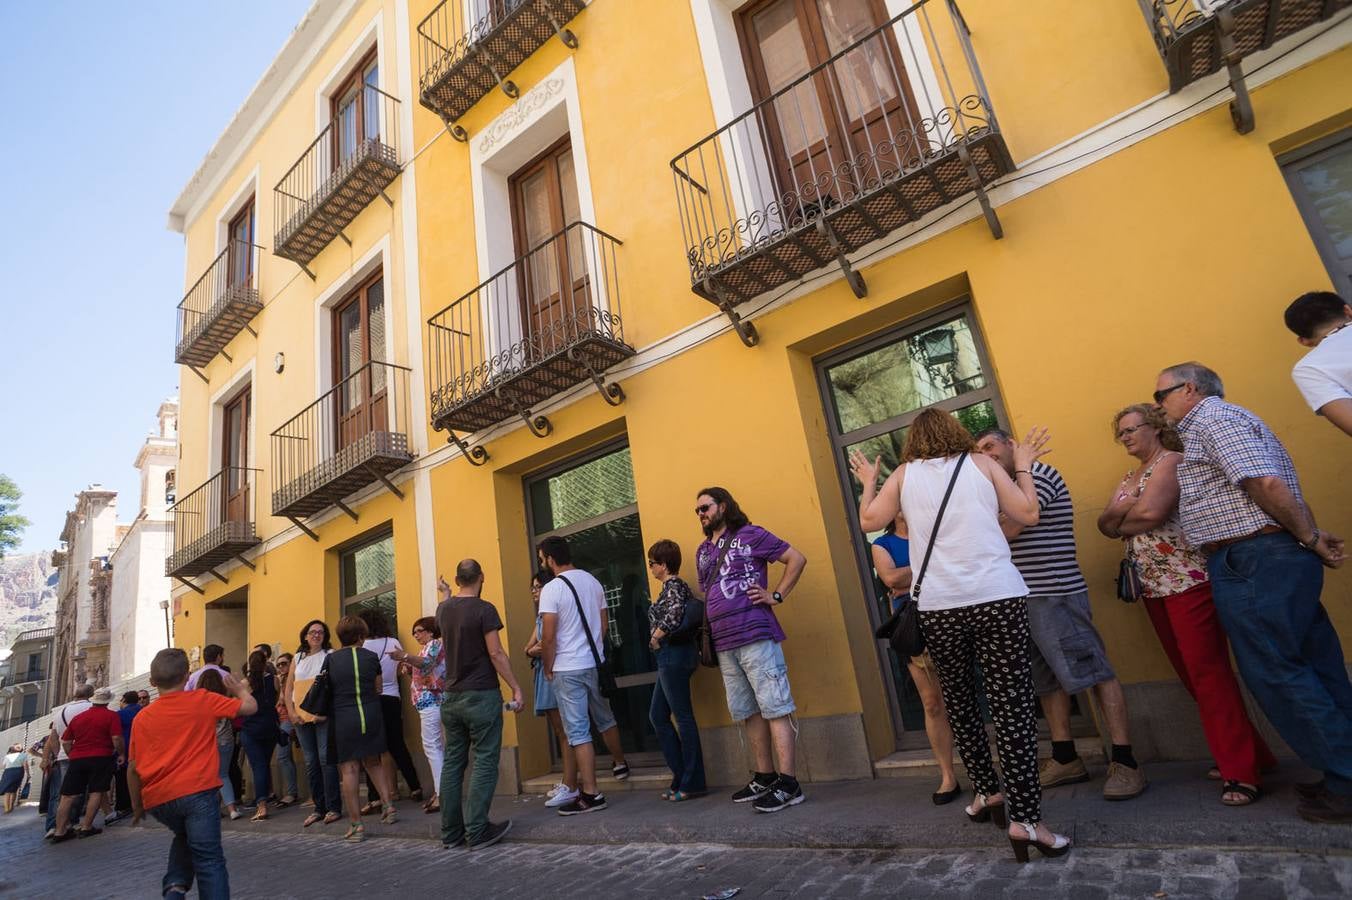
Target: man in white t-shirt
x=573 y=644
x=1320 y=320
x=54 y=755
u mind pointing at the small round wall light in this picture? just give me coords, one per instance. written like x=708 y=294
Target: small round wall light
x=279 y=362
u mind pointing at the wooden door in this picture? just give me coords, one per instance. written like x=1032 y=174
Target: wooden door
x=235 y=459
x=359 y=346
x=239 y=248
x=553 y=277
x=355 y=111
x=820 y=133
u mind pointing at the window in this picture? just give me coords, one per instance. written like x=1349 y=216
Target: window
x=235 y=457
x=355 y=110
x=240 y=240
x=824 y=129
x=359 y=339
x=1320 y=177
x=366 y=580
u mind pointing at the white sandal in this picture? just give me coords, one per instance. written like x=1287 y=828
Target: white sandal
x=1059 y=846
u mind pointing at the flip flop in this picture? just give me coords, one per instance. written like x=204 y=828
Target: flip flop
x=1249 y=794
x=330 y=818
x=311 y=819
x=368 y=809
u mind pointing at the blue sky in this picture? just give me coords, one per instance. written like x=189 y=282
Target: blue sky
x=112 y=107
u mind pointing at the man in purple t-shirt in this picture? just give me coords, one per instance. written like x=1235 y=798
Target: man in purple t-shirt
x=732 y=565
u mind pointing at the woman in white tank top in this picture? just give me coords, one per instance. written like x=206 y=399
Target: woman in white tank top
x=971 y=602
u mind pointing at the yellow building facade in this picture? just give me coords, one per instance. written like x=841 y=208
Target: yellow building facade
x=622 y=250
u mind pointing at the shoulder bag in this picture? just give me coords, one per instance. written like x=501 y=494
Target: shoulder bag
x=318 y=700
x=707 y=655
x=1130 y=588
x=903 y=630
x=692 y=617
x=604 y=677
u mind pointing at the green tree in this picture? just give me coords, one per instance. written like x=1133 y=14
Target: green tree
x=11 y=523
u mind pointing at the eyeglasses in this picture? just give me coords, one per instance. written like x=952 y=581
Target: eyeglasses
x=653 y=562
x=704 y=508
x=1160 y=395
x=1125 y=432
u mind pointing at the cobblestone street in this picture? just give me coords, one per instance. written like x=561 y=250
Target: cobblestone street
x=127 y=862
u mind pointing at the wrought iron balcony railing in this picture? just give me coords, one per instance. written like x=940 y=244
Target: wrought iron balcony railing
x=354 y=435
x=27 y=676
x=892 y=127
x=1198 y=37
x=219 y=305
x=347 y=166
x=213 y=524
x=462 y=58
x=547 y=322
x=35 y=634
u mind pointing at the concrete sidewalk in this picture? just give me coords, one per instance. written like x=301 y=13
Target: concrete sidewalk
x=1181 y=809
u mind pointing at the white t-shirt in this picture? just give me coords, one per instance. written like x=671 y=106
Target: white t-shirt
x=571 y=653
x=64 y=716
x=1325 y=373
x=307 y=666
x=389 y=666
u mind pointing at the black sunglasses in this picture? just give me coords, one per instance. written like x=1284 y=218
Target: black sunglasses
x=1160 y=395
x=704 y=508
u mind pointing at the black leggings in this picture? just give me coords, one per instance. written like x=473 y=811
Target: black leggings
x=392 y=711
x=995 y=635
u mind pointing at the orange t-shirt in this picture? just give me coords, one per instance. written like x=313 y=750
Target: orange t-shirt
x=174 y=744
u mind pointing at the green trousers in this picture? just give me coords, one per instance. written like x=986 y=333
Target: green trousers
x=473 y=722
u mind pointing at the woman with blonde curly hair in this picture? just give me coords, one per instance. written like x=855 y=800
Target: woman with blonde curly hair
x=972 y=605
x=1143 y=513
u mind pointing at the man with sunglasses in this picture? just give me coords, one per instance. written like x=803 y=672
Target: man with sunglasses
x=1240 y=503
x=732 y=564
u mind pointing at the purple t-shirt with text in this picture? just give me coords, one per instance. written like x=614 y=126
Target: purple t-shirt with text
x=734 y=620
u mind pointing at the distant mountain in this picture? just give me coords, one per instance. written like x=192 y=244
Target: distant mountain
x=27 y=595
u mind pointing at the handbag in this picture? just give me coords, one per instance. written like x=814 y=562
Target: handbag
x=318 y=700
x=605 y=678
x=707 y=655
x=1129 y=586
x=902 y=630
x=692 y=617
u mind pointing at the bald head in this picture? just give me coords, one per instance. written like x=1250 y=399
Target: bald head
x=469 y=577
x=84 y=691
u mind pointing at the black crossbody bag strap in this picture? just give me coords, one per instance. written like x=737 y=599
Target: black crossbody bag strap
x=943 y=505
x=586 y=629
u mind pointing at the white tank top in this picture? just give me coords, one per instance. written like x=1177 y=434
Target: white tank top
x=970 y=563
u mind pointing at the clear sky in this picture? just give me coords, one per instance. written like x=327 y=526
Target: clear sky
x=112 y=107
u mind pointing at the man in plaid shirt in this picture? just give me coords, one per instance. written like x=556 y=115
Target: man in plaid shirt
x=1240 y=504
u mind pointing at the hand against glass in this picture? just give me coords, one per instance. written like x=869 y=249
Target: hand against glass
x=865 y=471
x=1032 y=448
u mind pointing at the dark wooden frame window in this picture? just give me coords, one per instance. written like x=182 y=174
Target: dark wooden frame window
x=354 y=109
x=235 y=416
x=1320 y=178
x=837 y=117
x=544 y=202
x=358 y=339
x=239 y=241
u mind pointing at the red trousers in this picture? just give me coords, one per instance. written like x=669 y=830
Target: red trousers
x=1195 y=643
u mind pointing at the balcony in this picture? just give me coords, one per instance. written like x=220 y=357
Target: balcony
x=462 y=60
x=548 y=322
x=214 y=524
x=893 y=127
x=1198 y=37
x=351 y=437
x=347 y=166
x=218 y=306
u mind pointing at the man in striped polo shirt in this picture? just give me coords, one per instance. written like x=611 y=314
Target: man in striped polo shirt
x=1068 y=655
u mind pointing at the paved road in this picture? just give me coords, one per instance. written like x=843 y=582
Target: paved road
x=125 y=862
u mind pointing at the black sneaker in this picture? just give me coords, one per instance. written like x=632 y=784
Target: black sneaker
x=779 y=797
x=621 y=772
x=584 y=803
x=495 y=832
x=753 y=791
x=458 y=842
x=88 y=832
x=62 y=838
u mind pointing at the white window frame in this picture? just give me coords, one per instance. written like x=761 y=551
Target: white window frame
x=222 y=396
x=247 y=190
x=373 y=35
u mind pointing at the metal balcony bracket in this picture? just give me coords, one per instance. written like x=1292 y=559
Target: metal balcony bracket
x=240 y=557
x=992 y=220
x=186 y=582
x=199 y=373
x=306 y=269
x=540 y=426
x=305 y=528
x=746 y=331
x=508 y=85
x=612 y=393
x=228 y=357
x=346 y=240
x=345 y=508
x=456 y=131
x=565 y=34
x=249 y=328
x=219 y=577
x=388 y=484
x=1241 y=108
x=477 y=456
x=853 y=278
x=386 y=198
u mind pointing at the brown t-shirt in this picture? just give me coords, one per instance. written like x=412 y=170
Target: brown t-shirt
x=463 y=622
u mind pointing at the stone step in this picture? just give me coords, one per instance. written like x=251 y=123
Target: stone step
x=646 y=778
x=905 y=763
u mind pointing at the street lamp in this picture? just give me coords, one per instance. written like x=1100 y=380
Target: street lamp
x=168 y=640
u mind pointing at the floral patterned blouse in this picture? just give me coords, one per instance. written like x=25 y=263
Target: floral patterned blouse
x=668 y=610
x=1167 y=564
x=429 y=678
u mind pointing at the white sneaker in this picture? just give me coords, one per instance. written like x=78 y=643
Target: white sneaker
x=555 y=789
x=51 y=833
x=565 y=796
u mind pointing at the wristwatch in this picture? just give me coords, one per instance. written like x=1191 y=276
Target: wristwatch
x=1312 y=543
x=779 y=598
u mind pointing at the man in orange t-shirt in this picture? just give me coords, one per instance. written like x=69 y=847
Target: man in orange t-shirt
x=172 y=771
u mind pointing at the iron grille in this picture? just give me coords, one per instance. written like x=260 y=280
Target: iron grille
x=219 y=305
x=214 y=523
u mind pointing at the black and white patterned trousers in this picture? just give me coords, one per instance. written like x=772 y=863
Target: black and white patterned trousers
x=996 y=636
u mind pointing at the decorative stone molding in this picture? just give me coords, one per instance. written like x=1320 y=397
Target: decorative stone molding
x=519 y=113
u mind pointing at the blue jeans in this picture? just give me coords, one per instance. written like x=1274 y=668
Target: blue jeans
x=320 y=769
x=286 y=763
x=671 y=699
x=1266 y=591
x=258 y=747
x=196 y=851
x=225 y=751
x=55 y=775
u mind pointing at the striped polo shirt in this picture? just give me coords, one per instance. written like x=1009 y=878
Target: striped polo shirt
x=1044 y=554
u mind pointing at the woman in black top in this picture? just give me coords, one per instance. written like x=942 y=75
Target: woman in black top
x=260 y=729
x=355 y=677
x=672 y=619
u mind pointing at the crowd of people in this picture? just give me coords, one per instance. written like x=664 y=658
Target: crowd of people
x=1220 y=548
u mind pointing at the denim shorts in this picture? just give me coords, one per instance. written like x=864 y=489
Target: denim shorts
x=756 y=680
x=580 y=704
x=1067 y=652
